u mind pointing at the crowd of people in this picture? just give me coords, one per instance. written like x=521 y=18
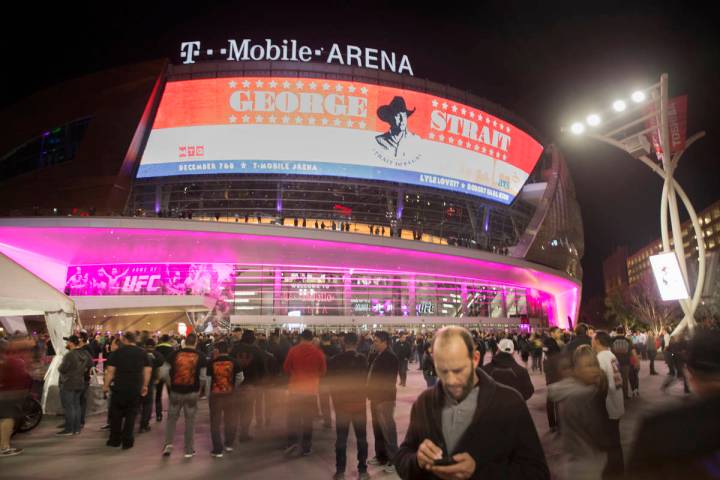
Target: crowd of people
x=471 y=422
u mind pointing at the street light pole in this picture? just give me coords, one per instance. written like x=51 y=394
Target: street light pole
x=619 y=138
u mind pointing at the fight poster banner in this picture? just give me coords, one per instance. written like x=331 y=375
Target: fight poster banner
x=149 y=279
x=306 y=126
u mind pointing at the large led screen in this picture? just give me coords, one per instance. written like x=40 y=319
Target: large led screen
x=305 y=126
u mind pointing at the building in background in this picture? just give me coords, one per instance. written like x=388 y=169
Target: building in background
x=615 y=271
x=284 y=194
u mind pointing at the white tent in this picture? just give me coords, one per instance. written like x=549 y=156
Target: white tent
x=23 y=293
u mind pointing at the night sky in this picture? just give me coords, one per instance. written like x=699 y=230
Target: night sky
x=550 y=66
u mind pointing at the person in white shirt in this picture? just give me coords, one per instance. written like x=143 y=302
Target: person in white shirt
x=614 y=402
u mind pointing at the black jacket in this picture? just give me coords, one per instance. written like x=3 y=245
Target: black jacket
x=382 y=379
x=402 y=350
x=346 y=375
x=252 y=361
x=504 y=369
x=502 y=438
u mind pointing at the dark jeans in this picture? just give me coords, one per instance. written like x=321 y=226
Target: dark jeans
x=384 y=430
x=300 y=413
x=651 y=355
x=222 y=410
x=147 y=406
x=403 y=369
x=123 y=410
x=430 y=380
x=83 y=404
x=625 y=372
x=70 y=400
x=343 y=419
x=324 y=396
x=158 y=397
x=246 y=396
x=615 y=464
x=669 y=360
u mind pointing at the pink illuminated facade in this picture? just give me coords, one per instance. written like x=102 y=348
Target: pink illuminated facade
x=278 y=273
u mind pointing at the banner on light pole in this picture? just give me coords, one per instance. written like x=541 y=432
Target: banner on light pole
x=668 y=277
x=677 y=126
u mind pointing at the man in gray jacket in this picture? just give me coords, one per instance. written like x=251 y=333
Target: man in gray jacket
x=72 y=384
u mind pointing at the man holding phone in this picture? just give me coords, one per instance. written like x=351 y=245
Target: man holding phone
x=448 y=436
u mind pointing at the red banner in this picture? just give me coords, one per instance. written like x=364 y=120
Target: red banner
x=677 y=126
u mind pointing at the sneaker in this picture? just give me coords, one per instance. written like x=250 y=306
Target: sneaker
x=292 y=449
x=10 y=452
x=228 y=449
x=158 y=417
x=105 y=427
x=363 y=476
x=376 y=461
x=189 y=454
x=64 y=433
x=216 y=454
x=389 y=468
x=338 y=476
x=307 y=453
x=167 y=450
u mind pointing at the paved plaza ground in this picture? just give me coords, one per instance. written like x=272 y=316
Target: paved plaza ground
x=49 y=457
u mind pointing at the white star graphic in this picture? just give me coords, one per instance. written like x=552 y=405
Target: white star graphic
x=324 y=121
x=460 y=143
x=313 y=85
x=243 y=165
x=494 y=123
x=336 y=122
x=232 y=84
x=476 y=147
x=434 y=103
x=286 y=84
x=298 y=119
x=451 y=140
x=232 y=119
x=326 y=86
x=299 y=84
x=463 y=111
x=259 y=83
x=362 y=124
x=272 y=118
x=491 y=152
x=484 y=150
x=502 y=127
x=246 y=118
x=504 y=157
x=487 y=120
x=259 y=118
x=285 y=119
x=246 y=84
x=444 y=105
x=350 y=123
x=472 y=114
x=364 y=90
x=338 y=88
x=480 y=117
x=442 y=137
x=454 y=108
x=311 y=120
x=497 y=154
x=351 y=89
x=272 y=83
x=507 y=129
x=431 y=136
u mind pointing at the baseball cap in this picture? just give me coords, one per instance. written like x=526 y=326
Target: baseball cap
x=506 y=345
x=72 y=339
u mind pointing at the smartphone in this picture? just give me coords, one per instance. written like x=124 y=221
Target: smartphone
x=444 y=462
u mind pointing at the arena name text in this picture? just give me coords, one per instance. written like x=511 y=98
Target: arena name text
x=292 y=51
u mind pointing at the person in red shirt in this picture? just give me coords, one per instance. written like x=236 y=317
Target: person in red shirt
x=304 y=365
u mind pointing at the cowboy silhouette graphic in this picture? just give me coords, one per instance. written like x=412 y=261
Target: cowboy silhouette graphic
x=394 y=140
